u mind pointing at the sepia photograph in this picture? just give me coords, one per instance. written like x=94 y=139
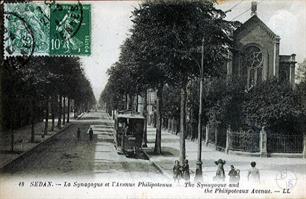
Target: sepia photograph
x=152 y=99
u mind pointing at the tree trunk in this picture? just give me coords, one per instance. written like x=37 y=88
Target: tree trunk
x=157 y=148
x=68 y=110
x=132 y=103
x=136 y=108
x=59 y=121
x=178 y=122
x=12 y=125
x=75 y=109
x=12 y=133
x=64 y=110
x=183 y=124
x=145 y=114
x=12 y=140
x=175 y=126
x=127 y=100
x=46 y=117
x=172 y=125
x=19 y=117
x=216 y=136
x=32 y=121
x=52 y=113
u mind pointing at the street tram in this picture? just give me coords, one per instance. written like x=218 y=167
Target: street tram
x=128 y=132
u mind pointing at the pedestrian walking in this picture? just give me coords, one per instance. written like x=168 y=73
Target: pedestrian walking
x=253 y=174
x=220 y=174
x=78 y=134
x=186 y=172
x=177 y=171
x=232 y=175
x=90 y=134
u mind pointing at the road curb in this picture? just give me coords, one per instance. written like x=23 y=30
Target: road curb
x=80 y=116
x=28 y=152
x=157 y=166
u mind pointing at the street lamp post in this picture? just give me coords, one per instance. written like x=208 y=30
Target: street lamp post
x=199 y=175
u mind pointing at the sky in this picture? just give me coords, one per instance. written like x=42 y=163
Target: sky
x=111 y=23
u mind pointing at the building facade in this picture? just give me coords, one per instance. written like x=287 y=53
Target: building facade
x=256 y=55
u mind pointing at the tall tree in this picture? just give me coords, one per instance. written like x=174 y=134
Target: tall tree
x=168 y=34
x=32 y=84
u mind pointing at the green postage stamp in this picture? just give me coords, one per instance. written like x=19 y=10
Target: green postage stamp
x=49 y=30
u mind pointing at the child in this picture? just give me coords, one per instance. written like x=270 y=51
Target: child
x=232 y=174
x=253 y=174
x=177 y=171
x=220 y=174
x=238 y=175
x=185 y=170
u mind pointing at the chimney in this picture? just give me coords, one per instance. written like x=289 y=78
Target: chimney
x=254 y=8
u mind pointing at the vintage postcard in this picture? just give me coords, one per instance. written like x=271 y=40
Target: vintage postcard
x=152 y=99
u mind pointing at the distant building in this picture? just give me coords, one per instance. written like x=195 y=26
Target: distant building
x=151 y=105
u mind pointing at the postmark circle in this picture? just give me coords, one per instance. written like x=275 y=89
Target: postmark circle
x=286 y=179
x=21 y=36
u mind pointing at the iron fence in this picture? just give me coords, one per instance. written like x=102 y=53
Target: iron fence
x=249 y=141
x=244 y=141
x=278 y=143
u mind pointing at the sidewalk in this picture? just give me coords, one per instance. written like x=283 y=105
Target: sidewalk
x=22 y=142
x=269 y=167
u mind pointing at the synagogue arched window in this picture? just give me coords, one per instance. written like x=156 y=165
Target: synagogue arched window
x=253 y=61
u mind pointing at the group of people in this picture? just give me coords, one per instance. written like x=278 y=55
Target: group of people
x=234 y=174
x=253 y=176
x=90 y=133
x=181 y=171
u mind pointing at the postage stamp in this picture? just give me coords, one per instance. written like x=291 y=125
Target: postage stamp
x=70 y=29
x=41 y=29
x=27 y=27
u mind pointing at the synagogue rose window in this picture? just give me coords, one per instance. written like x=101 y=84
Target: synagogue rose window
x=253 y=61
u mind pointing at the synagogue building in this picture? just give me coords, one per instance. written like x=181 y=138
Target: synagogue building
x=256 y=55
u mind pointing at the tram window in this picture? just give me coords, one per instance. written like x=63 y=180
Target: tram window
x=121 y=124
x=138 y=127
